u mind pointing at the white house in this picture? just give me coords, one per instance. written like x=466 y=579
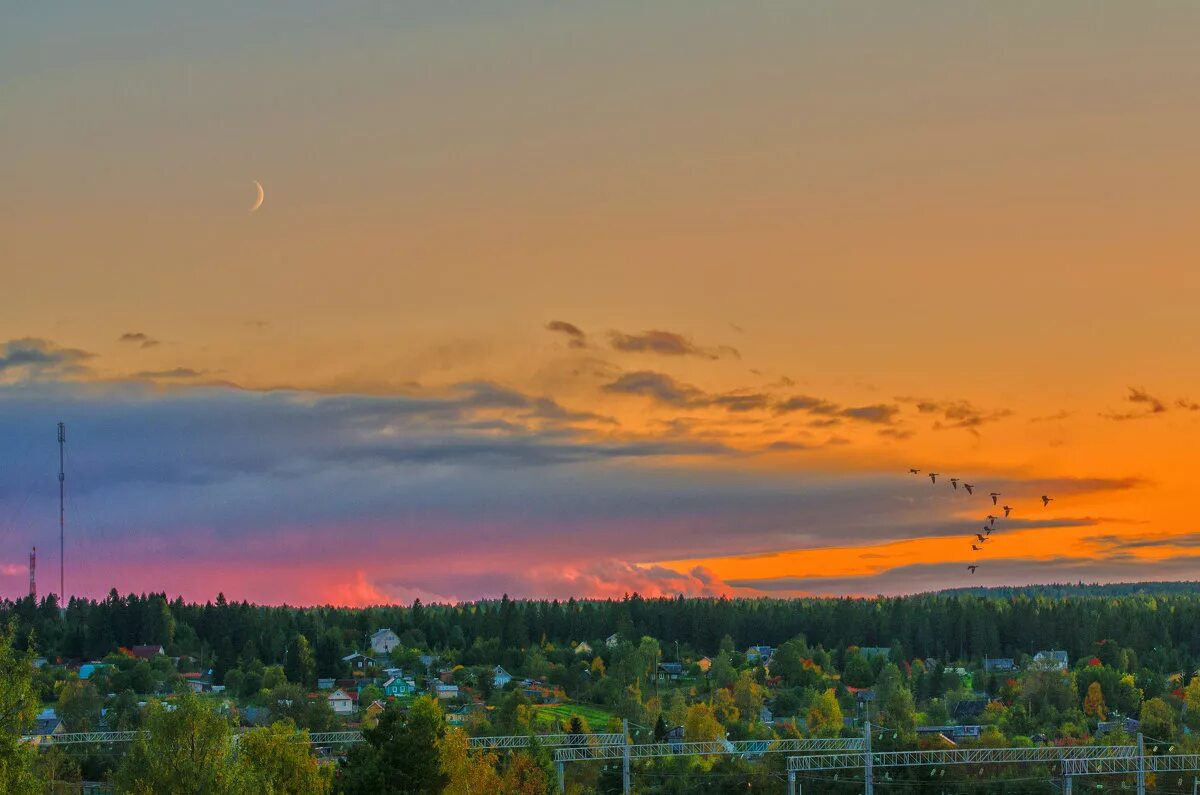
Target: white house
x=500 y=677
x=383 y=641
x=583 y=648
x=444 y=691
x=1056 y=660
x=612 y=640
x=340 y=703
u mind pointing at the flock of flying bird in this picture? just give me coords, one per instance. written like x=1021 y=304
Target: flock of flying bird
x=980 y=538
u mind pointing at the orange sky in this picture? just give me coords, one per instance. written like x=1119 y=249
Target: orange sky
x=985 y=210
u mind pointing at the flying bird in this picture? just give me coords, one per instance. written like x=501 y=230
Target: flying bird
x=1046 y=500
x=954 y=483
x=987 y=531
x=977 y=549
x=914 y=471
x=994 y=495
x=992 y=520
x=970 y=489
x=1007 y=510
x=933 y=476
x=980 y=537
x=972 y=569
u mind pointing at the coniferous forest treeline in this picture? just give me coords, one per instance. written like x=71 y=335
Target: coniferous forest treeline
x=1160 y=623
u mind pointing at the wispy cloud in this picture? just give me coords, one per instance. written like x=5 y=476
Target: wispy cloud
x=139 y=338
x=809 y=404
x=962 y=414
x=880 y=413
x=34 y=358
x=1148 y=406
x=175 y=372
x=576 y=338
x=666 y=343
x=668 y=390
x=659 y=386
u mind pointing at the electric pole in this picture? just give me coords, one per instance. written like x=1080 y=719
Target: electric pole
x=62 y=486
x=868 y=762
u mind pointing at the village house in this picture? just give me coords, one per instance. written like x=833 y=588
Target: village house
x=47 y=722
x=951 y=734
x=383 y=641
x=704 y=664
x=583 y=648
x=147 y=652
x=970 y=708
x=759 y=654
x=874 y=651
x=399 y=687
x=87 y=669
x=669 y=671
x=325 y=684
x=256 y=716
x=500 y=677
x=358 y=663
x=371 y=714
x=612 y=640
x=1128 y=725
x=341 y=703
x=460 y=716
x=444 y=691
x=538 y=691
x=862 y=695
x=201 y=683
x=1054 y=659
x=999 y=664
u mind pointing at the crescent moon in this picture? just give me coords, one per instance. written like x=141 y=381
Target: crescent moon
x=261 y=195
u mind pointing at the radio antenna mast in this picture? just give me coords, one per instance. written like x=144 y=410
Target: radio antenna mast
x=62 y=491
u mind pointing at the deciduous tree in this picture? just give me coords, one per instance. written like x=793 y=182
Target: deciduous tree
x=702 y=725
x=467 y=772
x=1093 y=703
x=278 y=759
x=18 y=707
x=79 y=705
x=824 y=715
x=1157 y=719
x=184 y=751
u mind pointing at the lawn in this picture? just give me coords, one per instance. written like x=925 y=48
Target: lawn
x=596 y=717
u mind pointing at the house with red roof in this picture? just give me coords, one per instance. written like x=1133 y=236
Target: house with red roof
x=147 y=652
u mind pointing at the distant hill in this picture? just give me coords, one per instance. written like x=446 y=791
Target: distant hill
x=1055 y=590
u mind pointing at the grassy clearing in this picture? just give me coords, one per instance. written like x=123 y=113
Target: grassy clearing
x=596 y=717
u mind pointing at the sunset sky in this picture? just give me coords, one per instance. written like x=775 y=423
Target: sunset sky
x=582 y=299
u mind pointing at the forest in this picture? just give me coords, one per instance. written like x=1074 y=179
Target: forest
x=1053 y=665
x=1156 y=621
